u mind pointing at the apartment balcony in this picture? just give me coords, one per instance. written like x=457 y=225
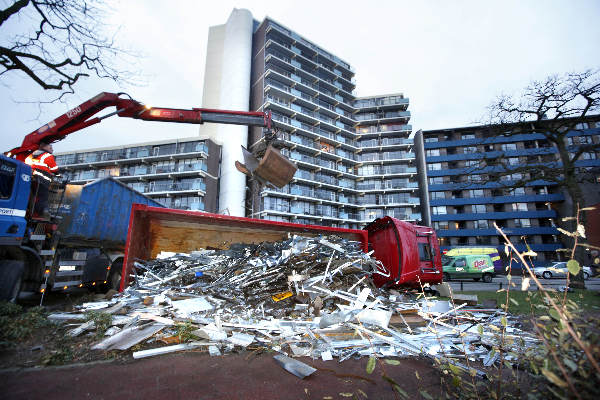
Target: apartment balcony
x=197 y=206
x=382 y=130
x=408 y=202
x=553 y=197
x=314 y=132
x=388 y=116
x=381 y=143
x=291 y=51
x=385 y=186
x=380 y=103
x=371 y=157
x=176 y=188
x=128 y=177
x=544 y=214
x=291 y=80
x=124 y=158
x=387 y=170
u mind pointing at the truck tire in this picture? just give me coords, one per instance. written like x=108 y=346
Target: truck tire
x=487 y=278
x=11 y=279
x=446 y=277
x=114 y=278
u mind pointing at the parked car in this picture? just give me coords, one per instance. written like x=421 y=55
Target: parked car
x=558 y=269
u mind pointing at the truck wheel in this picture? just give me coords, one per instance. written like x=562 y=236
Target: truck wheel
x=547 y=274
x=114 y=278
x=446 y=277
x=487 y=278
x=11 y=278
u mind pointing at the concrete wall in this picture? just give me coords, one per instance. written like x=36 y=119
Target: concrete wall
x=227 y=86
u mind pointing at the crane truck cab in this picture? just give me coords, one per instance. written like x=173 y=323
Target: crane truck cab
x=16 y=252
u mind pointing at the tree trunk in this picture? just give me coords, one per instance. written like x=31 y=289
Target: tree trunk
x=577 y=281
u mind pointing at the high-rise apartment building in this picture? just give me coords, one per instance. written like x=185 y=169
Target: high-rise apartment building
x=465 y=200
x=354 y=156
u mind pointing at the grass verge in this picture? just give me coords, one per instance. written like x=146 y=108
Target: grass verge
x=521 y=302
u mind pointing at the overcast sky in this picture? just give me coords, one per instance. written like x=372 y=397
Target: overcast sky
x=451 y=58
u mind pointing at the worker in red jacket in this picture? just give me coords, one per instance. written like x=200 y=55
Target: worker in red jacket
x=43 y=160
x=44 y=166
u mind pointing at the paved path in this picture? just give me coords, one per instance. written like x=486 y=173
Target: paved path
x=190 y=376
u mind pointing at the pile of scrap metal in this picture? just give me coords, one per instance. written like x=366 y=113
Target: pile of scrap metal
x=305 y=296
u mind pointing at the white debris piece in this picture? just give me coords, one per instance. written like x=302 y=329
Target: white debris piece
x=190 y=306
x=128 y=337
x=211 y=332
x=241 y=339
x=326 y=355
x=214 y=351
x=168 y=349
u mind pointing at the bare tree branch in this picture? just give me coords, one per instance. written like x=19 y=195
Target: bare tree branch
x=64 y=42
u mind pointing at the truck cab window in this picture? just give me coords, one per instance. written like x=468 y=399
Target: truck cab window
x=8 y=171
x=425 y=252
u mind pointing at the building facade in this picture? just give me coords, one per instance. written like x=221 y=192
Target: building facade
x=465 y=201
x=179 y=173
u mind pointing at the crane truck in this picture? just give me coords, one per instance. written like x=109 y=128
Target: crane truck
x=80 y=240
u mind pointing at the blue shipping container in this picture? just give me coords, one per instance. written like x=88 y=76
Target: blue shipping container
x=99 y=211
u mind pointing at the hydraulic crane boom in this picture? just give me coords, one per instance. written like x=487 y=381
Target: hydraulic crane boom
x=82 y=116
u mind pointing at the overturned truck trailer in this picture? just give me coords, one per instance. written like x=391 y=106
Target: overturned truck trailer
x=409 y=254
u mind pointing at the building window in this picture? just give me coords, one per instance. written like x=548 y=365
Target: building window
x=433 y=152
x=8 y=172
x=519 y=206
x=468 y=136
x=434 y=166
x=437 y=225
x=509 y=146
x=513 y=160
x=431 y=140
x=469 y=149
x=520 y=191
x=436 y=180
x=480 y=224
x=437 y=195
x=522 y=222
x=582 y=125
x=483 y=240
x=478 y=208
x=439 y=210
x=476 y=193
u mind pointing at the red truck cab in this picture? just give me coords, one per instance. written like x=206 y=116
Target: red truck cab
x=410 y=254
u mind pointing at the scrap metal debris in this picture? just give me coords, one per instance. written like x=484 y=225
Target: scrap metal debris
x=304 y=296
